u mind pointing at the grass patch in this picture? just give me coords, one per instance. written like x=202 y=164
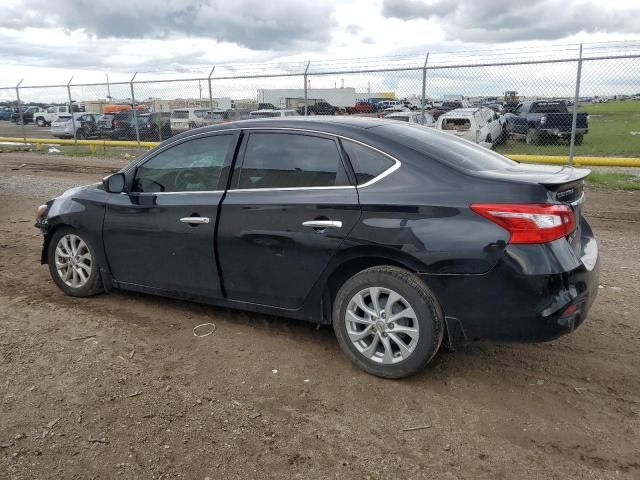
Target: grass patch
x=614 y=180
x=609 y=134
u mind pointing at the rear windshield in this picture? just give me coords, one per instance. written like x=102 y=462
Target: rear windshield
x=444 y=147
x=547 y=107
x=264 y=114
x=456 y=124
x=180 y=114
x=402 y=119
x=215 y=116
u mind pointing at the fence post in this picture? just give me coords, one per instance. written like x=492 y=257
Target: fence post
x=73 y=118
x=24 y=135
x=108 y=87
x=210 y=92
x=306 y=101
x=135 y=112
x=574 y=119
x=424 y=82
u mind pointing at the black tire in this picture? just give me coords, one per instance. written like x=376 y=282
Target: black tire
x=81 y=134
x=428 y=313
x=40 y=122
x=93 y=284
x=579 y=138
x=533 y=136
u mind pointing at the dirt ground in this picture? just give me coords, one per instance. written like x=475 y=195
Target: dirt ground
x=118 y=386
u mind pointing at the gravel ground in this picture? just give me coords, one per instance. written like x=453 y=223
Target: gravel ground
x=117 y=385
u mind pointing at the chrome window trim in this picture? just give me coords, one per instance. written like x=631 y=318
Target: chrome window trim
x=397 y=163
x=272 y=189
x=186 y=192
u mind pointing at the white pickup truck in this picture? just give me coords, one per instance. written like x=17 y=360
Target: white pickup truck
x=46 y=117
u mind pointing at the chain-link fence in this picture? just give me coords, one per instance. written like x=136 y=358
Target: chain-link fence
x=562 y=100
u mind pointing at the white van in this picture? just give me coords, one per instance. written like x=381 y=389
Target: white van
x=183 y=119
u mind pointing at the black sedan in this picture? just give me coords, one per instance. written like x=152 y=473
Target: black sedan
x=401 y=237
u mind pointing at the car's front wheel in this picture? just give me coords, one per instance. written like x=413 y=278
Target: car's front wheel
x=73 y=264
x=388 y=321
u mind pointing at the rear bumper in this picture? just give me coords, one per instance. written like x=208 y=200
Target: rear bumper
x=535 y=293
x=556 y=132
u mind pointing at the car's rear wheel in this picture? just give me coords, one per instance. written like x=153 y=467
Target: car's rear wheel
x=72 y=263
x=40 y=122
x=388 y=322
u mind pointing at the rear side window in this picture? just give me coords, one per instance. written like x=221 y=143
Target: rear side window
x=366 y=162
x=456 y=124
x=284 y=160
x=194 y=165
x=444 y=148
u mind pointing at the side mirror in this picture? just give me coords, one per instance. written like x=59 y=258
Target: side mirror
x=114 y=183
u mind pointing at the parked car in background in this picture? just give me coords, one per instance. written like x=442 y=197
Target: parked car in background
x=266 y=106
x=155 y=126
x=86 y=126
x=419 y=118
x=5 y=113
x=273 y=113
x=28 y=114
x=496 y=107
x=123 y=125
x=183 y=119
x=396 y=108
x=319 y=108
x=236 y=114
x=476 y=124
x=362 y=107
x=388 y=103
x=402 y=238
x=449 y=105
x=545 y=120
x=45 y=117
x=105 y=123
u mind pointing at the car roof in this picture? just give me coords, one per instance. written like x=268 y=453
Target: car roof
x=401 y=114
x=462 y=112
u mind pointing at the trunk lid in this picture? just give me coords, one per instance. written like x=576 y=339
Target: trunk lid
x=565 y=184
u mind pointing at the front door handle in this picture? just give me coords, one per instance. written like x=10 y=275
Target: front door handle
x=323 y=224
x=194 y=220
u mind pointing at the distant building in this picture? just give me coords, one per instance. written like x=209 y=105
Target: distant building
x=338 y=97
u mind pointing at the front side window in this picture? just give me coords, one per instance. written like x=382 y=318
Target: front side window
x=194 y=165
x=284 y=160
x=366 y=162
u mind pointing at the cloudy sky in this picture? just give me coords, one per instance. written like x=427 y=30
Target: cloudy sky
x=45 y=41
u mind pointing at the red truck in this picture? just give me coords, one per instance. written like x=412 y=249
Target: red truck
x=362 y=107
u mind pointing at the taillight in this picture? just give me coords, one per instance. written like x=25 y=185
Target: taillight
x=530 y=223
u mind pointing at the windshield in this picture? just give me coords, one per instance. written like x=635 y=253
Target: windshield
x=180 y=114
x=452 y=104
x=547 y=107
x=445 y=147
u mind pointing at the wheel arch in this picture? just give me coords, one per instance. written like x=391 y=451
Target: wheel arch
x=349 y=262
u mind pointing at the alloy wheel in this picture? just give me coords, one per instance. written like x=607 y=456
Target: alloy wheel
x=73 y=261
x=382 y=325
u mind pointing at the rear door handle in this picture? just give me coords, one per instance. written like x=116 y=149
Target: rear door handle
x=195 y=220
x=323 y=224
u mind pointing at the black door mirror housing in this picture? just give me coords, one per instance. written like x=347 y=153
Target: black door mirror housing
x=114 y=183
